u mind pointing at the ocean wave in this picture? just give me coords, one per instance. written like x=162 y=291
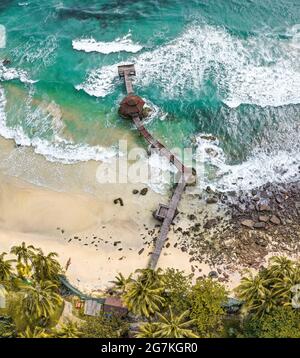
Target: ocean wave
x=99 y=82
x=11 y=73
x=124 y=44
x=57 y=150
x=260 y=70
x=277 y=165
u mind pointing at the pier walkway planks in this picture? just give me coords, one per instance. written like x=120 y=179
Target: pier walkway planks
x=186 y=173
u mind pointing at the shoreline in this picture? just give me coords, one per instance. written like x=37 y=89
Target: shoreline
x=79 y=220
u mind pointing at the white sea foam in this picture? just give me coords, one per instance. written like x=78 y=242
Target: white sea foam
x=11 y=73
x=261 y=167
x=124 y=44
x=260 y=70
x=294 y=32
x=99 y=83
x=41 y=52
x=57 y=150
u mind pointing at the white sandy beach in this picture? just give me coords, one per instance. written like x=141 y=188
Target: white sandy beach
x=76 y=217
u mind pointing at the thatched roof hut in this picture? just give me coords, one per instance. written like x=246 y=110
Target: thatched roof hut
x=131 y=105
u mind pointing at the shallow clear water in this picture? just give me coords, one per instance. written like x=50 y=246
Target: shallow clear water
x=226 y=68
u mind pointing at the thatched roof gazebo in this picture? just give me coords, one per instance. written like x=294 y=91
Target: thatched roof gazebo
x=131 y=105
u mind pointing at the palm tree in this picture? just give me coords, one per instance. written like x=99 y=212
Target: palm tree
x=265 y=304
x=24 y=254
x=39 y=300
x=143 y=299
x=172 y=326
x=6 y=269
x=46 y=267
x=151 y=276
x=7 y=327
x=148 y=330
x=68 y=330
x=36 y=332
x=253 y=289
x=24 y=271
x=281 y=267
x=121 y=282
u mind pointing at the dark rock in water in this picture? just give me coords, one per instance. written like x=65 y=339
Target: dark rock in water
x=208 y=137
x=275 y=220
x=119 y=201
x=254 y=192
x=209 y=189
x=135 y=191
x=211 y=152
x=213 y=274
x=144 y=191
x=248 y=223
x=211 y=200
x=6 y=62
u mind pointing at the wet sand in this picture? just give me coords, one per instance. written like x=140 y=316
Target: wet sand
x=76 y=217
x=62 y=208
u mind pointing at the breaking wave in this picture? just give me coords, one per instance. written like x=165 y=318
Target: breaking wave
x=124 y=44
x=57 y=150
x=10 y=73
x=261 y=70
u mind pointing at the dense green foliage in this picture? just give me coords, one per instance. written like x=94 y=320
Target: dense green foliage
x=177 y=290
x=164 y=304
x=68 y=330
x=5 y=268
x=272 y=287
x=38 y=301
x=281 y=322
x=174 y=306
x=269 y=297
x=104 y=327
x=144 y=295
x=33 y=298
x=206 y=301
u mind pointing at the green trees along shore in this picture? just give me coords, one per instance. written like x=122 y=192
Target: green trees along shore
x=161 y=304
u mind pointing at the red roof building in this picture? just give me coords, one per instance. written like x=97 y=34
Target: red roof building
x=114 y=305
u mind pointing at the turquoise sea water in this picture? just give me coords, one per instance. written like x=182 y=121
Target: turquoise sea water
x=226 y=68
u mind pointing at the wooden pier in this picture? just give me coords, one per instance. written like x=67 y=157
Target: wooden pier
x=131 y=108
x=127 y=71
